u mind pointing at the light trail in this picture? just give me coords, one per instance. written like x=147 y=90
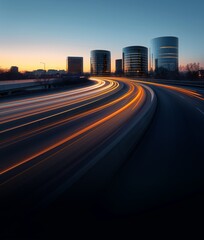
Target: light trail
x=110 y=90
x=190 y=93
x=57 y=123
x=47 y=106
x=130 y=101
x=10 y=104
x=118 y=108
x=61 y=98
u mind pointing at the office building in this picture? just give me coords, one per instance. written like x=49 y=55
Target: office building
x=135 y=61
x=100 y=62
x=118 y=67
x=75 y=65
x=164 y=54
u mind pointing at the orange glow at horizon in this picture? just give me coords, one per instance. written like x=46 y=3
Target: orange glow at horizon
x=30 y=58
x=25 y=63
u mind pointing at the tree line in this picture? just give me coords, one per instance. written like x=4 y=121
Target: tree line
x=191 y=71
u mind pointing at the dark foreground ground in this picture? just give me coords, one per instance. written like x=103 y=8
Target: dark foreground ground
x=158 y=193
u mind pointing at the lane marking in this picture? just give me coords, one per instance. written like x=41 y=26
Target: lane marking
x=148 y=88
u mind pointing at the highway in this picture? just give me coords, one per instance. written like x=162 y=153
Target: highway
x=162 y=184
x=109 y=152
x=49 y=141
x=44 y=124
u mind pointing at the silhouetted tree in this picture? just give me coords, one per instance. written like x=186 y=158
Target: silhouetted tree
x=192 y=70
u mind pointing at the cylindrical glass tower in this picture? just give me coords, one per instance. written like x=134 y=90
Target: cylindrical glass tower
x=100 y=62
x=135 y=61
x=164 y=54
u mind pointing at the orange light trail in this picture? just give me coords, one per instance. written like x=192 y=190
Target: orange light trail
x=98 y=84
x=47 y=108
x=133 y=99
x=68 y=119
x=187 y=92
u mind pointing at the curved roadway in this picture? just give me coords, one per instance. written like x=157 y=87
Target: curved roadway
x=159 y=191
x=49 y=146
x=161 y=187
x=48 y=142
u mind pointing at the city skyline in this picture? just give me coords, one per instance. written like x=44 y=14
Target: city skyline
x=49 y=31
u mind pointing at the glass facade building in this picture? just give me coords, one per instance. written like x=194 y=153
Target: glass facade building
x=118 y=67
x=100 y=62
x=164 y=54
x=135 y=61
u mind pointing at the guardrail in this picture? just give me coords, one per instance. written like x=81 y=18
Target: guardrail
x=174 y=82
x=15 y=86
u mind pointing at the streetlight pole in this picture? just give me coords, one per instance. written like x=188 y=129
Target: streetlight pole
x=46 y=80
x=43 y=64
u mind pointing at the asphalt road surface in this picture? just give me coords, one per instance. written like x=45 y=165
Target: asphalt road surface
x=157 y=190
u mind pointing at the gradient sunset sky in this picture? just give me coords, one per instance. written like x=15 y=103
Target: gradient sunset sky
x=50 y=30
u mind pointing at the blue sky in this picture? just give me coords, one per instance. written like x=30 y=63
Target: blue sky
x=50 y=30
